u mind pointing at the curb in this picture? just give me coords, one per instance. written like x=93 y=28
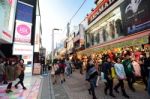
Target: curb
x=40 y=91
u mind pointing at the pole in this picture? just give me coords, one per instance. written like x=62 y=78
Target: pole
x=52 y=45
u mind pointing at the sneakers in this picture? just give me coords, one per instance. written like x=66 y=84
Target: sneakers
x=8 y=91
x=16 y=86
x=116 y=90
x=126 y=96
x=112 y=95
x=24 y=88
x=89 y=91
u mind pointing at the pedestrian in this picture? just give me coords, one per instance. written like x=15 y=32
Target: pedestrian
x=10 y=75
x=107 y=70
x=136 y=67
x=80 y=65
x=2 y=71
x=119 y=69
x=68 y=67
x=91 y=77
x=20 y=72
x=55 y=72
x=62 y=70
x=129 y=70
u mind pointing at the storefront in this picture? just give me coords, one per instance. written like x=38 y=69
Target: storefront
x=119 y=30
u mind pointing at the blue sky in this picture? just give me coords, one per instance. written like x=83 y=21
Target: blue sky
x=56 y=14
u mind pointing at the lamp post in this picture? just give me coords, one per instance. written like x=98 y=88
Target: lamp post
x=55 y=29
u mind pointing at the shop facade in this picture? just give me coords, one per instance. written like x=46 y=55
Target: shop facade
x=115 y=28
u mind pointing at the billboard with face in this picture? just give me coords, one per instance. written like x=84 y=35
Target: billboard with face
x=135 y=15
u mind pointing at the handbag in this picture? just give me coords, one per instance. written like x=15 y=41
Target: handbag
x=113 y=73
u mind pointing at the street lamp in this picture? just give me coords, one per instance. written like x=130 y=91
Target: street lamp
x=55 y=29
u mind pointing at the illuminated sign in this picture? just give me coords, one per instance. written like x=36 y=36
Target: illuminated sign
x=23 y=32
x=99 y=9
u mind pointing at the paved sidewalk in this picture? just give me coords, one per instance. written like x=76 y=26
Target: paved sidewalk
x=31 y=82
x=46 y=91
x=76 y=88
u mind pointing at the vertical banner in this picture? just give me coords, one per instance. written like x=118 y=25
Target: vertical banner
x=22 y=32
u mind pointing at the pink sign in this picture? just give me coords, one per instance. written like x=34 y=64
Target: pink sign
x=23 y=32
x=10 y=2
x=23 y=29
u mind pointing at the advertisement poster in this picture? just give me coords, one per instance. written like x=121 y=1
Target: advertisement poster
x=136 y=15
x=23 y=32
x=24 y=12
x=7 y=17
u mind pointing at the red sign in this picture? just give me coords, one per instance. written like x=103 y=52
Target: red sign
x=99 y=9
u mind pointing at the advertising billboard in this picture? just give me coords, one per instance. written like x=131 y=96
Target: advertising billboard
x=7 y=17
x=22 y=32
x=19 y=49
x=24 y=12
x=135 y=15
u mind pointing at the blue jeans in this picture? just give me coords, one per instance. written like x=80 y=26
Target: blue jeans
x=92 y=86
x=149 y=83
x=68 y=71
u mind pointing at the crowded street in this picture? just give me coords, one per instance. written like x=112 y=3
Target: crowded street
x=76 y=87
x=74 y=49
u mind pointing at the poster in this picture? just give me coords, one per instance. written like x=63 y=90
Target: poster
x=135 y=15
x=22 y=32
x=24 y=12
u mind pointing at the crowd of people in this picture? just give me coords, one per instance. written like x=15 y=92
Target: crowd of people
x=10 y=70
x=125 y=68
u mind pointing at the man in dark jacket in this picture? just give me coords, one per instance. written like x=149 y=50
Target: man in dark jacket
x=92 y=73
x=106 y=69
x=129 y=71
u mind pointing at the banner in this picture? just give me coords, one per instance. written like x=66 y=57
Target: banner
x=23 y=32
x=136 y=15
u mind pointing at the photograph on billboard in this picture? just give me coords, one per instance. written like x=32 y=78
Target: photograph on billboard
x=135 y=15
x=24 y=12
x=22 y=32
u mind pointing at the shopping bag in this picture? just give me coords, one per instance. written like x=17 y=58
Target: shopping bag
x=97 y=81
x=113 y=73
x=102 y=77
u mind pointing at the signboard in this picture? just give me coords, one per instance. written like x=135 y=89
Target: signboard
x=105 y=4
x=135 y=14
x=24 y=12
x=37 y=69
x=19 y=49
x=23 y=32
x=7 y=17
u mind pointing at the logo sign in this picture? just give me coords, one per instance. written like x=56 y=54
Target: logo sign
x=23 y=32
x=19 y=49
x=135 y=15
x=23 y=29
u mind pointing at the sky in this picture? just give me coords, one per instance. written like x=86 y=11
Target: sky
x=57 y=13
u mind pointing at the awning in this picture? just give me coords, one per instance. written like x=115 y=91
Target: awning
x=131 y=40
